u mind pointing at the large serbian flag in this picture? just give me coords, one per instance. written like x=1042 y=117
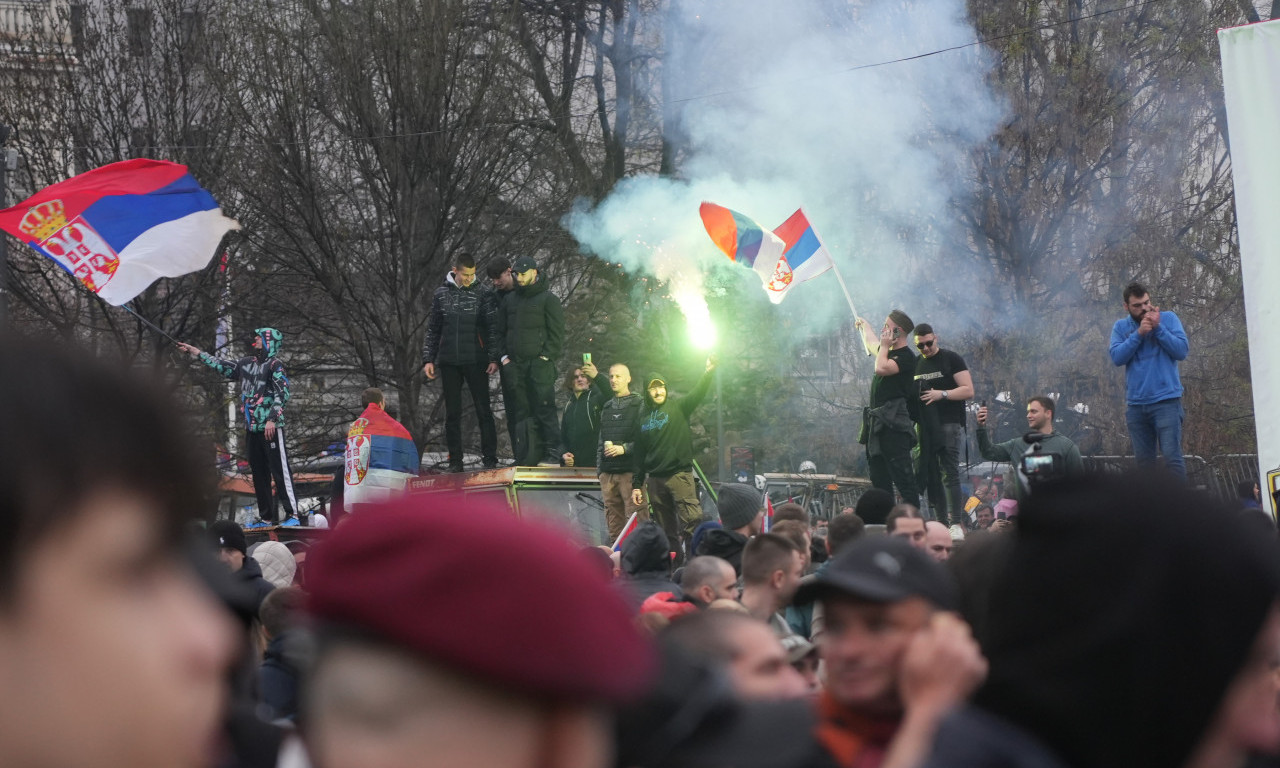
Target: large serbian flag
x=742 y=240
x=380 y=458
x=119 y=228
x=805 y=256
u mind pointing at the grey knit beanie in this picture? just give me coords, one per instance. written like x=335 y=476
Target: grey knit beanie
x=738 y=504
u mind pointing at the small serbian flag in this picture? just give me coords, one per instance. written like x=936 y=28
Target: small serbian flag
x=119 y=228
x=768 y=514
x=743 y=240
x=805 y=256
x=626 y=531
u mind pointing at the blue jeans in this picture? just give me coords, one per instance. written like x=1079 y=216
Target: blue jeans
x=1157 y=424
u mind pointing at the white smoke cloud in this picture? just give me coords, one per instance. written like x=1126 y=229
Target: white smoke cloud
x=771 y=115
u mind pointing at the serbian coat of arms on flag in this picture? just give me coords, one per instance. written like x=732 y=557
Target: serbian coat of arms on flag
x=119 y=228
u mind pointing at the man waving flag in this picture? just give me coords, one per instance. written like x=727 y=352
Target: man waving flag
x=119 y=228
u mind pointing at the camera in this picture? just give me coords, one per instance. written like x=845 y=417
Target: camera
x=1039 y=465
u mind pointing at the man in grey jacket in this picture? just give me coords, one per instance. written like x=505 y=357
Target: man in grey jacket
x=1040 y=420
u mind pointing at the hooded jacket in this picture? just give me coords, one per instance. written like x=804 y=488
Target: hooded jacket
x=250 y=574
x=665 y=446
x=460 y=326
x=580 y=424
x=530 y=323
x=724 y=544
x=264 y=387
x=646 y=563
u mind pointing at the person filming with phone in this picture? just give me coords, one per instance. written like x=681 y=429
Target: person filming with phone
x=1039 y=444
x=588 y=390
x=888 y=423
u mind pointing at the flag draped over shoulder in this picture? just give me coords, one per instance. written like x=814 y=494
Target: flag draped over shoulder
x=380 y=458
x=742 y=240
x=805 y=256
x=119 y=228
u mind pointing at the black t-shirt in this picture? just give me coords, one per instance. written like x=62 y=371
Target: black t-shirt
x=939 y=372
x=886 y=388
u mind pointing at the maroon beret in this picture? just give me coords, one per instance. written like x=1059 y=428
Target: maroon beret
x=476 y=590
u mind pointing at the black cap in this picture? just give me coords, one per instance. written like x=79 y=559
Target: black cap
x=882 y=569
x=229 y=535
x=524 y=264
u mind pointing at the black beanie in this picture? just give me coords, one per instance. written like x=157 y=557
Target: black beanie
x=738 y=505
x=226 y=533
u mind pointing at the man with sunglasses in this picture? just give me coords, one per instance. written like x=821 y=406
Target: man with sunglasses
x=944 y=385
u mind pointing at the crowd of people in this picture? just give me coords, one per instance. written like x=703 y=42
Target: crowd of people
x=1116 y=620
x=640 y=443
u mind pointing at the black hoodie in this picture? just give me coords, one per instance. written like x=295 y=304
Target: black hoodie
x=646 y=563
x=724 y=544
x=665 y=446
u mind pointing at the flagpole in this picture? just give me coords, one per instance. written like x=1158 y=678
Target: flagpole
x=146 y=322
x=847 y=297
x=845 y=288
x=618 y=540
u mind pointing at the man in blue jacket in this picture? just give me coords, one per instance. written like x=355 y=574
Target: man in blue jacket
x=1149 y=343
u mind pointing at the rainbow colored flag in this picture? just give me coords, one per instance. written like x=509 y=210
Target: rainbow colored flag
x=742 y=239
x=119 y=228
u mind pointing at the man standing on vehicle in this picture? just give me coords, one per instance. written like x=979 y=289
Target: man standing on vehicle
x=264 y=390
x=529 y=338
x=616 y=452
x=944 y=384
x=1149 y=344
x=459 y=348
x=888 y=428
x=665 y=456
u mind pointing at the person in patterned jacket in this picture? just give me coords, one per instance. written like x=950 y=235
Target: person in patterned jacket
x=264 y=390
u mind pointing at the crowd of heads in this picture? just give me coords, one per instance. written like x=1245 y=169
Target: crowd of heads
x=1124 y=620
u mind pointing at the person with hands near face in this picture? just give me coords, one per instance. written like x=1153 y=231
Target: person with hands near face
x=888 y=423
x=580 y=424
x=1150 y=344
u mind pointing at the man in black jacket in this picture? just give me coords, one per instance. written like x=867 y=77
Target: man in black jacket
x=665 y=456
x=232 y=547
x=459 y=348
x=615 y=454
x=580 y=425
x=529 y=338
